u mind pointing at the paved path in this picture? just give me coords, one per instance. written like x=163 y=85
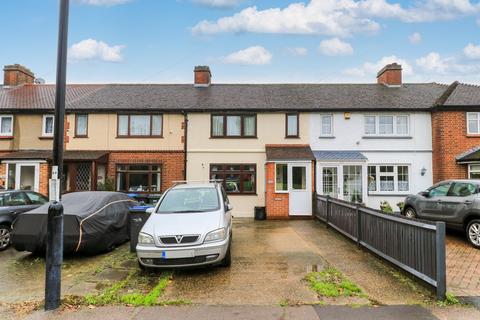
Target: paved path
x=463 y=266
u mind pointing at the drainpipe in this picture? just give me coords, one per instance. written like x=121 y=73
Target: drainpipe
x=185 y=143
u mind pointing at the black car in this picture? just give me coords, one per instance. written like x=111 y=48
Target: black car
x=12 y=203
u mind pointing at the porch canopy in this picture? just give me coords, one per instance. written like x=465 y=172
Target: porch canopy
x=472 y=155
x=295 y=152
x=69 y=155
x=340 y=156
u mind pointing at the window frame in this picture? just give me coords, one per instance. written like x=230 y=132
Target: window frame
x=8 y=134
x=394 y=127
x=240 y=172
x=129 y=135
x=321 y=125
x=44 y=125
x=242 y=125
x=470 y=171
x=287 y=177
x=76 y=126
x=150 y=173
x=297 y=135
x=478 y=123
x=385 y=174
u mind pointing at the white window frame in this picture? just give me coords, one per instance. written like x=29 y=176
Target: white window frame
x=331 y=125
x=470 y=171
x=395 y=178
x=276 y=190
x=10 y=133
x=377 y=125
x=478 y=122
x=44 y=125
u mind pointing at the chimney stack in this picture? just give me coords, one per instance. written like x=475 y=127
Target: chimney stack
x=16 y=74
x=390 y=75
x=203 y=76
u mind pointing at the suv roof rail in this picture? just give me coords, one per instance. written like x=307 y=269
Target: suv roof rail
x=216 y=181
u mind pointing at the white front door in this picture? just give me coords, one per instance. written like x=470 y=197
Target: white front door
x=300 y=189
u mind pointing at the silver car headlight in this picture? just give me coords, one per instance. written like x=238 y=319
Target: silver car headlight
x=216 y=235
x=145 y=239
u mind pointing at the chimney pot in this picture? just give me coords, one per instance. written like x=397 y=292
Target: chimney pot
x=203 y=76
x=16 y=74
x=390 y=75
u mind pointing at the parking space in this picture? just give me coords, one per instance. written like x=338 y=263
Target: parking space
x=463 y=266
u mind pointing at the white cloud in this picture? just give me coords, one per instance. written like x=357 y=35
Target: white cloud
x=335 y=17
x=434 y=63
x=472 y=51
x=297 y=51
x=256 y=55
x=105 y=3
x=370 y=69
x=91 y=49
x=335 y=47
x=415 y=38
x=218 y=3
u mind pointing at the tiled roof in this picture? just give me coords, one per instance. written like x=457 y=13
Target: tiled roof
x=469 y=155
x=464 y=95
x=288 y=152
x=70 y=155
x=321 y=97
x=339 y=156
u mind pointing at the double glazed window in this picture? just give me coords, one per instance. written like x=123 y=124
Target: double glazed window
x=140 y=125
x=48 y=124
x=474 y=171
x=388 y=178
x=139 y=178
x=473 y=122
x=6 y=126
x=237 y=178
x=326 y=125
x=292 y=125
x=387 y=125
x=241 y=126
x=81 y=125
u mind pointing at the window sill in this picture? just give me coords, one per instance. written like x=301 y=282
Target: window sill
x=138 y=137
x=393 y=194
x=387 y=137
x=292 y=137
x=326 y=137
x=45 y=137
x=80 y=137
x=473 y=135
x=241 y=194
x=6 y=137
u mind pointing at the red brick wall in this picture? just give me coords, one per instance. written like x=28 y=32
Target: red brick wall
x=449 y=134
x=172 y=164
x=277 y=205
x=43 y=178
x=391 y=77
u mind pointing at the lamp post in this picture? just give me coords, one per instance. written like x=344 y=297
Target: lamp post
x=54 y=256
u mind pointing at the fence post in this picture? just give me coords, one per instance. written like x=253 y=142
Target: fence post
x=440 y=260
x=359 y=224
x=328 y=210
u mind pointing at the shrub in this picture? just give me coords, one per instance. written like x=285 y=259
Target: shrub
x=386 y=207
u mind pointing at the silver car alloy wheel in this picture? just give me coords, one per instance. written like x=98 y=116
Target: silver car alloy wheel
x=410 y=213
x=4 y=237
x=474 y=233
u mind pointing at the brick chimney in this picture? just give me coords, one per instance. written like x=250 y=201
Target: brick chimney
x=390 y=75
x=16 y=74
x=203 y=76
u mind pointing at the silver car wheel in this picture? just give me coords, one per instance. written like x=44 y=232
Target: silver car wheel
x=474 y=233
x=410 y=213
x=4 y=237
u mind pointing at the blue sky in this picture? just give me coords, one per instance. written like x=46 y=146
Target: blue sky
x=246 y=41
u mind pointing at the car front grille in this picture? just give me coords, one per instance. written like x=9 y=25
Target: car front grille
x=177 y=261
x=183 y=240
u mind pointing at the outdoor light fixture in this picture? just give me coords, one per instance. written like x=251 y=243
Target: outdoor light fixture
x=423 y=171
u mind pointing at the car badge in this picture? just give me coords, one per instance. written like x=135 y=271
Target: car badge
x=179 y=239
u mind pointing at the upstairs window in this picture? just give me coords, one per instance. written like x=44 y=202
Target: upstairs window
x=140 y=125
x=48 y=124
x=292 y=125
x=386 y=125
x=473 y=122
x=326 y=125
x=233 y=126
x=81 y=125
x=6 y=126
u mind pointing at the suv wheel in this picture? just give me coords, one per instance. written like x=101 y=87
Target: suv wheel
x=410 y=213
x=4 y=237
x=473 y=233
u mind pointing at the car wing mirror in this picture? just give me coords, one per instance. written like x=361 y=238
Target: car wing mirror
x=150 y=210
x=229 y=207
x=425 y=194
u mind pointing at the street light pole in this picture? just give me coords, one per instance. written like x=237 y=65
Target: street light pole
x=54 y=256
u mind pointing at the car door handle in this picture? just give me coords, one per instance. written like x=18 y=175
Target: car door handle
x=468 y=202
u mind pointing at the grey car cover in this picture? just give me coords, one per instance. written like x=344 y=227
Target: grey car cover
x=94 y=222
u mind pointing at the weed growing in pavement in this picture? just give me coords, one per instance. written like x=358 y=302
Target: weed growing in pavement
x=450 y=300
x=332 y=283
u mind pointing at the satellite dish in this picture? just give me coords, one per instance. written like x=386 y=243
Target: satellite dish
x=39 y=81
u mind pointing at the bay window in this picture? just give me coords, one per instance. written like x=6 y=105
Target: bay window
x=237 y=178
x=388 y=178
x=140 y=125
x=233 y=126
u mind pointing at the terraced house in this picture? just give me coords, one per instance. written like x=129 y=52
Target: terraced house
x=273 y=145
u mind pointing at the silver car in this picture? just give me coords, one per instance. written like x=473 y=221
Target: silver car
x=191 y=225
x=456 y=202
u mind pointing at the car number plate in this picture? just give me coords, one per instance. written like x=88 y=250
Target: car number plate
x=178 y=254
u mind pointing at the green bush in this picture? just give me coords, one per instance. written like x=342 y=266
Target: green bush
x=108 y=185
x=386 y=207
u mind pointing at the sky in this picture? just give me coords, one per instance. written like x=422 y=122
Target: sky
x=246 y=41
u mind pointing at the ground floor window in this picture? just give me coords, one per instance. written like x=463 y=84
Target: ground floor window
x=352 y=183
x=237 y=178
x=139 y=177
x=474 y=171
x=388 y=178
x=281 y=177
x=22 y=176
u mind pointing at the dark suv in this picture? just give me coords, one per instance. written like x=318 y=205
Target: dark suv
x=12 y=203
x=456 y=202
